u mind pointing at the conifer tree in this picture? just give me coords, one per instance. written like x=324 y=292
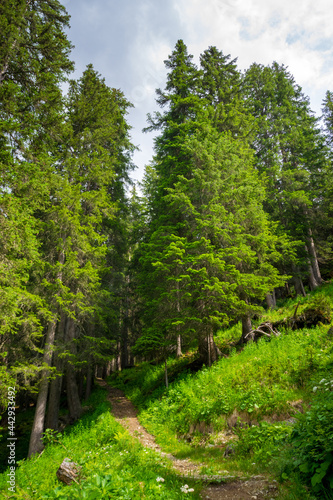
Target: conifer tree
x=34 y=60
x=290 y=152
x=209 y=234
x=79 y=218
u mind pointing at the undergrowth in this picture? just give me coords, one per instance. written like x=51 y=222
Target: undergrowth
x=268 y=384
x=114 y=465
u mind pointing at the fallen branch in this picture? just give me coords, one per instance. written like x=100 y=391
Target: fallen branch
x=265 y=329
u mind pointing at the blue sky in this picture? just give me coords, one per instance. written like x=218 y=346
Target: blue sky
x=127 y=42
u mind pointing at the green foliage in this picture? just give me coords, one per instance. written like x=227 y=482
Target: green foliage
x=114 y=465
x=263 y=442
x=290 y=152
x=312 y=441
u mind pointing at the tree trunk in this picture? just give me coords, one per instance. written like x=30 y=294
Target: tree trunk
x=179 y=346
x=312 y=280
x=297 y=282
x=113 y=365
x=179 y=339
x=88 y=379
x=118 y=356
x=315 y=278
x=52 y=418
x=270 y=301
x=36 y=444
x=166 y=374
x=73 y=399
x=208 y=350
x=246 y=327
x=299 y=287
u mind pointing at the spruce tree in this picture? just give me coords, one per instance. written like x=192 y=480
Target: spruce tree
x=290 y=153
x=34 y=60
x=210 y=239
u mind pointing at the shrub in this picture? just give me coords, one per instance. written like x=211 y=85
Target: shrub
x=312 y=442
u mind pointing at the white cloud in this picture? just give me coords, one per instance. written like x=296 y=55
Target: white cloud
x=296 y=33
x=128 y=41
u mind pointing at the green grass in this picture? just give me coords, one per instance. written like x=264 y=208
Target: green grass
x=114 y=465
x=265 y=383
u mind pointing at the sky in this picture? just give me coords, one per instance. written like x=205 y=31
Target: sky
x=128 y=40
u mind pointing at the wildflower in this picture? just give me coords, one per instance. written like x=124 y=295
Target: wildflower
x=186 y=489
x=322 y=380
x=160 y=479
x=314 y=389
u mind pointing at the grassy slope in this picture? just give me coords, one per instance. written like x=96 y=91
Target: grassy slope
x=261 y=381
x=114 y=465
x=265 y=381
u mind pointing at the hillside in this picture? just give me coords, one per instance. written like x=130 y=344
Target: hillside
x=264 y=410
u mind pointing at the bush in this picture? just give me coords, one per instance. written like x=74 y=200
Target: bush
x=262 y=441
x=312 y=442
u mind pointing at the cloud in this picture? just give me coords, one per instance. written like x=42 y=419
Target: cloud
x=128 y=41
x=296 y=33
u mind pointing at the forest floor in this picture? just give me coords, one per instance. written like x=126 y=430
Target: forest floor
x=225 y=487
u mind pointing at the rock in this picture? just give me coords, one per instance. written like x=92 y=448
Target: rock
x=68 y=471
x=229 y=450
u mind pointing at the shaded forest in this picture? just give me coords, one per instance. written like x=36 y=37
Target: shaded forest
x=234 y=212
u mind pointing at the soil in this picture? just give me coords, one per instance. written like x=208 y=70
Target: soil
x=256 y=487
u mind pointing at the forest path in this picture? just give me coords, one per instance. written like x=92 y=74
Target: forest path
x=257 y=487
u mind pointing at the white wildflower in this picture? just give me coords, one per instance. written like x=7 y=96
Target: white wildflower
x=160 y=479
x=314 y=389
x=322 y=380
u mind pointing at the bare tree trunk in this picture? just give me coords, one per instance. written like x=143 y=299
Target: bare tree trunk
x=179 y=346
x=179 y=339
x=88 y=379
x=312 y=280
x=113 y=365
x=246 y=328
x=315 y=278
x=166 y=374
x=36 y=444
x=73 y=399
x=299 y=287
x=208 y=350
x=297 y=282
x=119 y=356
x=125 y=328
x=271 y=300
x=52 y=418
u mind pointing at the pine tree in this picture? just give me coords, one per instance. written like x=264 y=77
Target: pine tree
x=221 y=87
x=290 y=153
x=210 y=239
x=34 y=60
x=77 y=226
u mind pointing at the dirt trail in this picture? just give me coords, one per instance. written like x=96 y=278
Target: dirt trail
x=256 y=487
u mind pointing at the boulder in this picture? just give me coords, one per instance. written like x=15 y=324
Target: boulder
x=68 y=471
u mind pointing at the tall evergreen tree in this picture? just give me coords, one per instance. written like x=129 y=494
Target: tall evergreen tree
x=221 y=87
x=290 y=152
x=34 y=60
x=88 y=170
x=199 y=278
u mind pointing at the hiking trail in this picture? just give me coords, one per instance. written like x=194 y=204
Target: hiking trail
x=235 y=488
